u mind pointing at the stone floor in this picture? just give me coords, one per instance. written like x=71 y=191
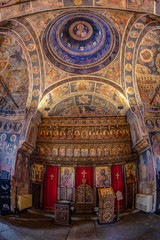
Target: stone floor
x=35 y=225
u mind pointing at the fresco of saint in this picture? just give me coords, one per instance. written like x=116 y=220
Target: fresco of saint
x=67 y=177
x=102 y=176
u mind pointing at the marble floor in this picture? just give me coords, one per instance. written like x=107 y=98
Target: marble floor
x=35 y=225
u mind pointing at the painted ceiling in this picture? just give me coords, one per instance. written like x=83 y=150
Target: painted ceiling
x=80 y=43
x=15 y=8
x=148 y=68
x=19 y=70
x=141 y=27
x=76 y=62
x=14 y=73
x=84 y=97
x=116 y=19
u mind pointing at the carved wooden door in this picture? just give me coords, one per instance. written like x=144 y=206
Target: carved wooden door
x=84 y=199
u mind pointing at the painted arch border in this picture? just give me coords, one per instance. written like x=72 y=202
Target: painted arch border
x=65 y=82
x=129 y=64
x=35 y=78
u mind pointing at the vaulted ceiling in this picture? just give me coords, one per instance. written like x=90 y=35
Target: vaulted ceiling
x=79 y=61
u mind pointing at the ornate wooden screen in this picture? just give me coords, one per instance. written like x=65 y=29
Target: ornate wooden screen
x=93 y=141
x=66 y=194
x=84 y=202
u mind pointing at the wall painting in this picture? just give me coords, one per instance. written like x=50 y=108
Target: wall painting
x=131 y=172
x=102 y=176
x=67 y=177
x=37 y=172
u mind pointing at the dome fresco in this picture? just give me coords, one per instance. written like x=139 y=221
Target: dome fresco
x=80 y=43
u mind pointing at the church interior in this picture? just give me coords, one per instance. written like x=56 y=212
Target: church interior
x=80 y=117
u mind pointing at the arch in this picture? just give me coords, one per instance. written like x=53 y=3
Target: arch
x=11 y=9
x=132 y=44
x=84 y=92
x=26 y=50
x=147 y=72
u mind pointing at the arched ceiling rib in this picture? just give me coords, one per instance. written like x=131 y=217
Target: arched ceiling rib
x=87 y=94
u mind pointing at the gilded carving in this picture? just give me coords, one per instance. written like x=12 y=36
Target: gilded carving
x=84 y=141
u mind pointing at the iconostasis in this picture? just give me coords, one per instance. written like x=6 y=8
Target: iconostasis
x=100 y=147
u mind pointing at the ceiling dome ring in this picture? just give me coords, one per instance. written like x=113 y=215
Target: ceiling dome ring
x=80 y=43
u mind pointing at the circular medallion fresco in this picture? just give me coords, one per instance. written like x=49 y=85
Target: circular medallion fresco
x=80 y=30
x=80 y=43
x=146 y=55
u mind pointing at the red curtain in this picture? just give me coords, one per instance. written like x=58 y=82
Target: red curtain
x=50 y=187
x=88 y=176
x=117 y=183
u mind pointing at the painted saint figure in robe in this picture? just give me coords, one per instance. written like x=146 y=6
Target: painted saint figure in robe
x=119 y=133
x=42 y=133
x=102 y=176
x=99 y=134
x=91 y=134
x=62 y=134
x=56 y=134
x=76 y=134
x=67 y=177
x=49 y=133
x=70 y=134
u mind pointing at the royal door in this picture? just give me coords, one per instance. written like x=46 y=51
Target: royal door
x=84 y=195
x=84 y=199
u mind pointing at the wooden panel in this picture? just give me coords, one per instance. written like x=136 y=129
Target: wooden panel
x=36 y=192
x=79 y=148
x=62 y=213
x=84 y=199
x=106 y=205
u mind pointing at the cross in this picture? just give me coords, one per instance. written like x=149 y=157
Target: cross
x=84 y=173
x=83 y=110
x=52 y=176
x=117 y=175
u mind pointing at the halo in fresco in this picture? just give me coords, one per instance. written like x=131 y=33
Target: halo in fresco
x=80 y=43
x=13 y=138
x=80 y=30
x=3 y=137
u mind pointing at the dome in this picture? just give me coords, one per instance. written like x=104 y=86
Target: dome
x=80 y=43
